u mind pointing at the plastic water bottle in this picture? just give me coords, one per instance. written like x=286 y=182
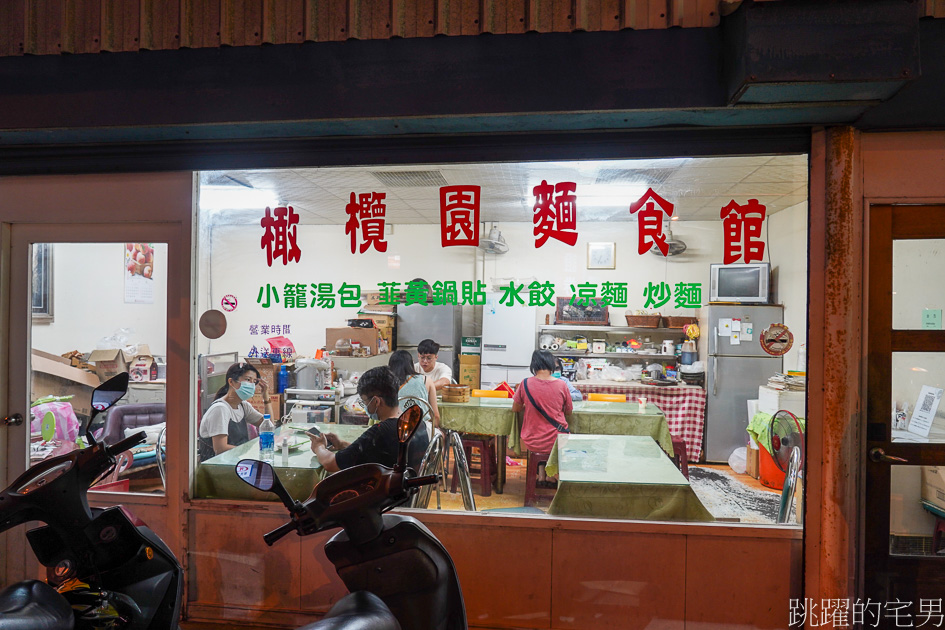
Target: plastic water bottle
x=267 y=439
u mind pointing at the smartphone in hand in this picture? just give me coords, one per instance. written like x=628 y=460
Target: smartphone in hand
x=313 y=432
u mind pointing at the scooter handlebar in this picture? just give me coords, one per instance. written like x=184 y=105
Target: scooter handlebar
x=128 y=442
x=279 y=532
x=416 y=482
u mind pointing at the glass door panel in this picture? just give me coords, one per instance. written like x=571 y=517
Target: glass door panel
x=99 y=309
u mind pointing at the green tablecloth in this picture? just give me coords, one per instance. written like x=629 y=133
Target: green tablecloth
x=216 y=478
x=494 y=416
x=620 y=476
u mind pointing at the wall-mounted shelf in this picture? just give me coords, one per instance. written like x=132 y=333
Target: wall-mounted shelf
x=635 y=356
x=611 y=329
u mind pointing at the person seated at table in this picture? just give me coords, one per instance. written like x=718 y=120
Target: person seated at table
x=427 y=365
x=377 y=389
x=574 y=391
x=413 y=384
x=545 y=401
x=225 y=424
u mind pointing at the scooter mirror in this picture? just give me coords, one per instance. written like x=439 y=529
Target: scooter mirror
x=262 y=476
x=257 y=474
x=408 y=422
x=110 y=392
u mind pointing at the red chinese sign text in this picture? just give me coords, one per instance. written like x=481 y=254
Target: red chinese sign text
x=459 y=215
x=555 y=212
x=279 y=241
x=741 y=230
x=368 y=212
x=650 y=221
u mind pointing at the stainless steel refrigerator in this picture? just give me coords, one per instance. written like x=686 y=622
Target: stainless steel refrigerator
x=508 y=340
x=736 y=367
x=442 y=323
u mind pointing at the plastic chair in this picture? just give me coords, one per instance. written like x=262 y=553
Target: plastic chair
x=532 y=491
x=462 y=471
x=111 y=482
x=432 y=463
x=608 y=397
x=790 y=481
x=488 y=393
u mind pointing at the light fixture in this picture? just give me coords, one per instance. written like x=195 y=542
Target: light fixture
x=216 y=198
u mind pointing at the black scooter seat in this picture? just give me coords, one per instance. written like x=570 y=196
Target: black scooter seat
x=360 y=610
x=34 y=605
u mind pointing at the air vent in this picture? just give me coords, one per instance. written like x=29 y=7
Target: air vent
x=410 y=179
x=649 y=177
x=910 y=545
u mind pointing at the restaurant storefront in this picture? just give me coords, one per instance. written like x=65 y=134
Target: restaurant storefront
x=823 y=192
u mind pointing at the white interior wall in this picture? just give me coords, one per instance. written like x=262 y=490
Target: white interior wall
x=89 y=303
x=237 y=266
x=787 y=252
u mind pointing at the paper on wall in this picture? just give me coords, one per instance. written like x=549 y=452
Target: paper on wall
x=907 y=436
x=747 y=332
x=725 y=328
x=736 y=325
x=736 y=338
x=924 y=412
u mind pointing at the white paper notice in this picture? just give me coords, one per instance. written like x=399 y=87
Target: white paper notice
x=736 y=325
x=736 y=338
x=747 y=330
x=725 y=328
x=907 y=436
x=921 y=421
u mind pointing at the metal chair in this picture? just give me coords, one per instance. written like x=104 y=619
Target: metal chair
x=432 y=463
x=462 y=471
x=790 y=482
x=159 y=455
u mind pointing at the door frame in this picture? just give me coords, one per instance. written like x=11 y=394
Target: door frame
x=886 y=223
x=100 y=208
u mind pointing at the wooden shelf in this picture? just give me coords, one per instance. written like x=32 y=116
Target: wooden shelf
x=637 y=356
x=610 y=329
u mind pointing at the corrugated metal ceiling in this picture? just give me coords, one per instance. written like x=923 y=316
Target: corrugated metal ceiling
x=49 y=27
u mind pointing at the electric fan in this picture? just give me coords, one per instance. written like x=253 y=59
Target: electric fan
x=786 y=433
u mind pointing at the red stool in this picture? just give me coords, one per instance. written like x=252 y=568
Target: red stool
x=487 y=460
x=531 y=478
x=680 y=456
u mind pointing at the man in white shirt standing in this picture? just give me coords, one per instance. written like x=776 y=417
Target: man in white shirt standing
x=440 y=373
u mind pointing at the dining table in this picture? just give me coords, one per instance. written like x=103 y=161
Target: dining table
x=494 y=416
x=299 y=473
x=620 y=477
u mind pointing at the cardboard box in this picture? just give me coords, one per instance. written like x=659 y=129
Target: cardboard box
x=109 y=362
x=367 y=337
x=381 y=320
x=753 y=463
x=933 y=485
x=140 y=366
x=267 y=372
x=469 y=373
x=54 y=376
x=276 y=399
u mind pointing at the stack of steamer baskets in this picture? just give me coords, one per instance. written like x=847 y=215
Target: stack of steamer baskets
x=456 y=393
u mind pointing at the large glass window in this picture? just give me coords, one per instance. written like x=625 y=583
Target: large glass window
x=657 y=308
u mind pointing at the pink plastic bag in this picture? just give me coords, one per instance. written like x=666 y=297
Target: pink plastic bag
x=67 y=425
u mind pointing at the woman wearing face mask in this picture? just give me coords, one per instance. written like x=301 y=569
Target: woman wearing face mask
x=226 y=423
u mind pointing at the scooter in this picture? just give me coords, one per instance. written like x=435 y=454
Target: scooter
x=398 y=574
x=108 y=570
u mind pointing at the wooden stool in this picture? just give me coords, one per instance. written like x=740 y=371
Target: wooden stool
x=531 y=478
x=487 y=461
x=680 y=456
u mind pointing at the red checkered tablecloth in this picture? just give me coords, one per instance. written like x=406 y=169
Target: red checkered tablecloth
x=683 y=406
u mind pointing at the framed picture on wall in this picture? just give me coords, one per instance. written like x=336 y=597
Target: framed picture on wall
x=601 y=256
x=42 y=283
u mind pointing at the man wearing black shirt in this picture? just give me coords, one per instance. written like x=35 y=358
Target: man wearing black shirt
x=378 y=389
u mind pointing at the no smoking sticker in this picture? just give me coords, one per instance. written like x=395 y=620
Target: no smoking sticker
x=228 y=303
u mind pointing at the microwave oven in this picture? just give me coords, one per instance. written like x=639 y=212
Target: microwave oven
x=742 y=283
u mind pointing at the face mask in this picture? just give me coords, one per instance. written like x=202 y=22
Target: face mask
x=246 y=390
x=557 y=374
x=371 y=414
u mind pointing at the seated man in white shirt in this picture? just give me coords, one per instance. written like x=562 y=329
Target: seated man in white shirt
x=440 y=373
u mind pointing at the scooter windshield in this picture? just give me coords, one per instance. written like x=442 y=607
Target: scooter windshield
x=45 y=477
